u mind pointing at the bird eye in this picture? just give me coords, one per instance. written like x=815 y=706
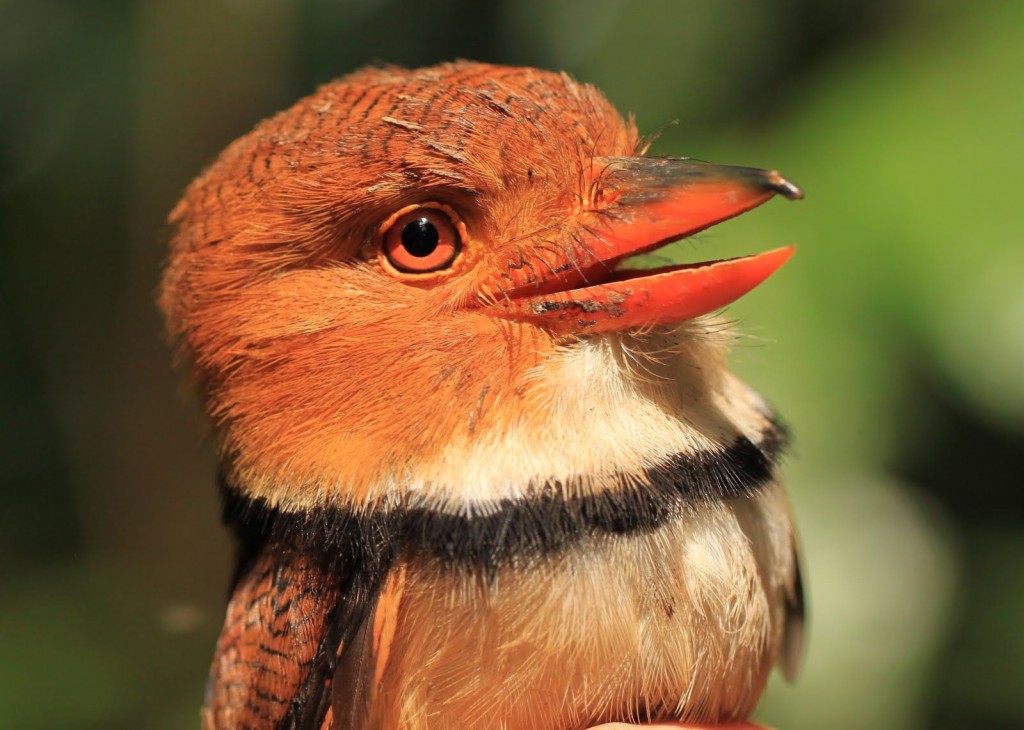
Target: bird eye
x=422 y=239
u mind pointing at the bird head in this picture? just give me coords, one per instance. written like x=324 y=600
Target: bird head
x=410 y=286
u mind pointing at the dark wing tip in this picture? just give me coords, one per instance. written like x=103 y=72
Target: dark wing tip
x=795 y=627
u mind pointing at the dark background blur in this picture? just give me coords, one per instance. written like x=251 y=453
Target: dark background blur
x=893 y=342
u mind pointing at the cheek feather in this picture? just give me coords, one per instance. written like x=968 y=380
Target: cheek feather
x=316 y=416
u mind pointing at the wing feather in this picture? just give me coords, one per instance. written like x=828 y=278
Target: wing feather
x=276 y=621
x=795 y=625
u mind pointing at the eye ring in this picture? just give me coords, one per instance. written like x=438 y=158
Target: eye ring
x=422 y=239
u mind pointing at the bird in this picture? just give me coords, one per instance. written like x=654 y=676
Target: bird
x=483 y=468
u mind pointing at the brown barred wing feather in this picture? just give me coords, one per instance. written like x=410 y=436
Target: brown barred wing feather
x=277 y=620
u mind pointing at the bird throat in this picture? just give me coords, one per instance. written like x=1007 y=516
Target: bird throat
x=642 y=429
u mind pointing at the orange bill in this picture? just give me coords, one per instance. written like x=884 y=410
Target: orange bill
x=643 y=204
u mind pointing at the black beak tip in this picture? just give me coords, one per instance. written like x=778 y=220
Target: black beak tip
x=783 y=187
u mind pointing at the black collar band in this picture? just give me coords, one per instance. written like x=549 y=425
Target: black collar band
x=512 y=530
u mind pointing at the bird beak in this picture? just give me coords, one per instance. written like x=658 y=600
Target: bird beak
x=639 y=204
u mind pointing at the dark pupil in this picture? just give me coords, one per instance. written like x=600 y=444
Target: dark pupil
x=420 y=237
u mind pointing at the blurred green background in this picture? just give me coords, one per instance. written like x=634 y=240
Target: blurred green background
x=893 y=342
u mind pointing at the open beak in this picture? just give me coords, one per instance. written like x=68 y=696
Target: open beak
x=642 y=204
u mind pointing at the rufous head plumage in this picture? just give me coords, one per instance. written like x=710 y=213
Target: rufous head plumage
x=330 y=363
